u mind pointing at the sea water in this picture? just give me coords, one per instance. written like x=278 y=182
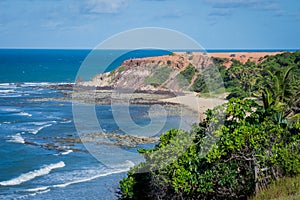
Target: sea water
x=34 y=162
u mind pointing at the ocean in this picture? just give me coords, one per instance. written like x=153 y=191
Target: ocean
x=39 y=159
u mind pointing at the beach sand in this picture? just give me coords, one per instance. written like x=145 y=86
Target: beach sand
x=197 y=104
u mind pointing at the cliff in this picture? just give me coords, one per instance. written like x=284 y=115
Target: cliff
x=171 y=72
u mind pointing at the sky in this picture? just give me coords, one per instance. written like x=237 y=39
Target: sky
x=215 y=24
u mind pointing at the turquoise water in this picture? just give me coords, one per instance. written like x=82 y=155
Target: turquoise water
x=42 y=65
x=36 y=162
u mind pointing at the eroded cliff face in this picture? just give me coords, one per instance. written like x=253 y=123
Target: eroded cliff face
x=153 y=73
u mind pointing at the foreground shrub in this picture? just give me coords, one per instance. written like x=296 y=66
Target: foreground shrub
x=236 y=151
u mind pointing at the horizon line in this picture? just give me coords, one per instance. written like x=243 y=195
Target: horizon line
x=208 y=49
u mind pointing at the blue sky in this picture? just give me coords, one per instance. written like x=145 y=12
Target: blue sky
x=215 y=24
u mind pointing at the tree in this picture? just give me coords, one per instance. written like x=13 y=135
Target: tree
x=279 y=92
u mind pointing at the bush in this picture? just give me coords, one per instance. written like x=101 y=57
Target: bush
x=236 y=150
x=188 y=73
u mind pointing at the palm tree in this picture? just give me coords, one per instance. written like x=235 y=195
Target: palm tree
x=279 y=92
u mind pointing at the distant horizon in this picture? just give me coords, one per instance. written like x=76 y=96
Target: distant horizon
x=176 y=50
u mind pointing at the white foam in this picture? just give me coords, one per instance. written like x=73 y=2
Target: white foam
x=34 y=84
x=89 y=178
x=7 y=85
x=10 y=109
x=67 y=152
x=14 y=95
x=4 y=84
x=66 y=122
x=17 y=139
x=6 y=91
x=35 y=131
x=37 y=84
x=24 y=114
x=43 y=123
x=36 y=189
x=38 y=126
x=64 y=153
x=34 y=194
x=62 y=185
x=33 y=174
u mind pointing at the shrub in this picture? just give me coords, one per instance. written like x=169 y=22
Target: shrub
x=244 y=151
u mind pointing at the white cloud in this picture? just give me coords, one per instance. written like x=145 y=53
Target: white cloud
x=224 y=8
x=53 y=24
x=259 y=4
x=220 y=12
x=102 y=6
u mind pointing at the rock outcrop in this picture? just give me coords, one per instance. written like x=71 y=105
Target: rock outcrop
x=151 y=73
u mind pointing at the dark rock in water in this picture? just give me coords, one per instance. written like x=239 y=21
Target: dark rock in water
x=60 y=86
x=30 y=143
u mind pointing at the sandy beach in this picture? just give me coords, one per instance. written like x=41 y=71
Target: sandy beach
x=197 y=104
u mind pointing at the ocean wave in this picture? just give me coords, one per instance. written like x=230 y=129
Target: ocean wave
x=66 y=122
x=89 y=178
x=62 y=185
x=64 y=153
x=36 y=189
x=125 y=168
x=67 y=152
x=35 y=131
x=35 y=84
x=7 y=85
x=24 y=114
x=34 y=194
x=43 y=123
x=5 y=109
x=17 y=139
x=33 y=174
x=6 y=91
x=40 y=126
x=10 y=96
x=39 y=84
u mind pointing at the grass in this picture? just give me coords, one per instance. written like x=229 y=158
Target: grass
x=283 y=189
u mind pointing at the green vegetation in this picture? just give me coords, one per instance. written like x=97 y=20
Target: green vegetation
x=210 y=80
x=184 y=78
x=159 y=76
x=273 y=76
x=188 y=73
x=199 y=84
x=241 y=149
x=251 y=150
x=249 y=79
x=121 y=69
